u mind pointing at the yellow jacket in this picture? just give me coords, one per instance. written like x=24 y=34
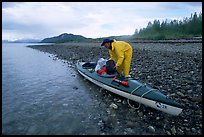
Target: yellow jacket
x=118 y=51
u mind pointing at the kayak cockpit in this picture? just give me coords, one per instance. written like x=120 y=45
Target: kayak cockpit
x=89 y=65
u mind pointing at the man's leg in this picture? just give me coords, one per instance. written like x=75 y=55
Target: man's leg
x=127 y=62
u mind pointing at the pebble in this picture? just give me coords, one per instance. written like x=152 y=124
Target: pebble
x=180 y=94
x=168 y=133
x=130 y=124
x=180 y=132
x=173 y=130
x=193 y=130
x=151 y=129
x=140 y=114
x=176 y=69
x=196 y=99
x=124 y=102
x=112 y=105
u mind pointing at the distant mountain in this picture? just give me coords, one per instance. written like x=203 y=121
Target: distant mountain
x=22 y=41
x=5 y=41
x=65 y=38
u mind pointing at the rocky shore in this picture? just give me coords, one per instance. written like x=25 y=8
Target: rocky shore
x=175 y=69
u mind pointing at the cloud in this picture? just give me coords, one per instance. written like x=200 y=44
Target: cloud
x=90 y=19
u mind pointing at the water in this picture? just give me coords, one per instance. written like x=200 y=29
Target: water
x=44 y=96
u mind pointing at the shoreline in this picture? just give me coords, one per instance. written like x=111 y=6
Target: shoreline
x=173 y=68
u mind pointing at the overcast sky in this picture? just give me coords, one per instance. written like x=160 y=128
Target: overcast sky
x=40 y=20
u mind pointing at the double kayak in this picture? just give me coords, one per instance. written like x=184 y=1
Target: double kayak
x=130 y=88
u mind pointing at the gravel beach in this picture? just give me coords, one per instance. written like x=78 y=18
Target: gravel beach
x=175 y=69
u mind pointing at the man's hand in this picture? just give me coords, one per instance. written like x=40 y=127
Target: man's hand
x=116 y=67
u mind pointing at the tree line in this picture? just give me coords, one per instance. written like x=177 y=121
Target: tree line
x=186 y=28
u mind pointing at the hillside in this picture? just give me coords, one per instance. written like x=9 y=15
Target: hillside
x=65 y=38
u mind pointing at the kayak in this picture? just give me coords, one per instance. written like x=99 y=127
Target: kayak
x=133 y=89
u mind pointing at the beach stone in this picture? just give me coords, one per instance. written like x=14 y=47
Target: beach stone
x=176 y=69
x=180 y=132
x=168 y=133
x=140 y=114
x=112 y=105
x=173 y=130
x=196 y=99
x=151 y=129
x=130 y=124
x=124 y=102
x=180 y=94
x=193 y=130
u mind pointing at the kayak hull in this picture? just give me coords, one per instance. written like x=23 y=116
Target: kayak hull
x=136 y=91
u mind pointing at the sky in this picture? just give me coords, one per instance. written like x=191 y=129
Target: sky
x=39 y=20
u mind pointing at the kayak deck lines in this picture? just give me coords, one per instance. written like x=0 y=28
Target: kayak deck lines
x=140 y=96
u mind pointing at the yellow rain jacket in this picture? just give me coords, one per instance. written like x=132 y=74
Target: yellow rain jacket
x=121 y=53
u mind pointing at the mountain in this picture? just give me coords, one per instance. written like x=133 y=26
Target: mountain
x=65 y=38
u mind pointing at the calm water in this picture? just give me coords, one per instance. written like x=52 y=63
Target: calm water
x=45 y=96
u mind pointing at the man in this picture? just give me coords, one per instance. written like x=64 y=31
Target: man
x=121 y=53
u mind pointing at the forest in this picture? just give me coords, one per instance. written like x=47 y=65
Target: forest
x=175 y=29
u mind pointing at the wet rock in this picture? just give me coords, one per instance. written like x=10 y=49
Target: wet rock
x=130 y=124
x=108 y=111
x=115 y=99
x=151 y=129
x=32 y=130
x=168 y=133
x=173 y=130
x=196 y=99
x=101 y=123
x=180 y=132
x=140 y=114
x=128 y=131
x=75 y=88
x=193 y=130
x=176 y=69
x=114 y=106
x=180 y=94
x=124 y=102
